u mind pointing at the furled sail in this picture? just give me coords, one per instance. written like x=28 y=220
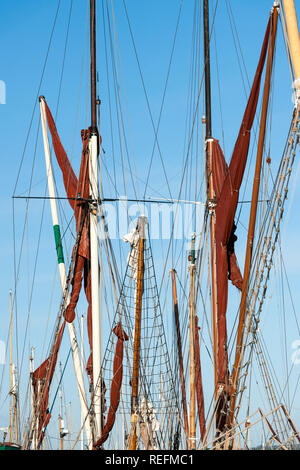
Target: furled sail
x=42 y=378
x=116 y=384
x=77 y=191
x=227 y=181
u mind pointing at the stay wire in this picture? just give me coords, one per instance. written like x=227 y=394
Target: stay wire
x=164 y=95
x=37 y=95
x=146 y=96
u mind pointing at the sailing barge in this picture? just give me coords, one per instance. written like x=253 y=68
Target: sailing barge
x=145 y=392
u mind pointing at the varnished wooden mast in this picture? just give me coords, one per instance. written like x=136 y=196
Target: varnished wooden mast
x=252 y=221
x=10 y=367
x=207 y=69
x=15 y=395
x=192 y=347
x=13 y=408
x=181 y=370
x=93 y=72
x=137 y=337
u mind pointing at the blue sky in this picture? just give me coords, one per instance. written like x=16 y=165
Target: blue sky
x=25 y=32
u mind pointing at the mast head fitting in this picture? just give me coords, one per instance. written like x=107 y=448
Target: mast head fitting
x=275 y=5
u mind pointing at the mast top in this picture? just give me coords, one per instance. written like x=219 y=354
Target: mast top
x=94 y=128
x=207 y=68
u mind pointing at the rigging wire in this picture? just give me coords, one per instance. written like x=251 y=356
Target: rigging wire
x=146 y=95
x=57 y=108
x=163 y=99
x=38 y=94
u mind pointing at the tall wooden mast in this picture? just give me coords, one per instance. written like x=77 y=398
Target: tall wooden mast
x=11 y=372
x=93 y=71
x=207 y=69
x=137 y=336
x=181 y=368
x=13 y=410
x=192 y=269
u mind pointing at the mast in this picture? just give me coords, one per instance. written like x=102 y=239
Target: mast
x=93 y=66
x=210 y=189
x=11 y=371
x=93 y=172
x=13 y=407
x=31 y=368
x=70 y=424
x=60 y=416
x=137 y=336
x=181 y=370
x=82 y=359
x=15 y=398
x=207 y=69
x=294 y=41
x=192 y=346
x=62 y=431
x=252 y=220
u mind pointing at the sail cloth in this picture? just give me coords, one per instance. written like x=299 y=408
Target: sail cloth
x=219 y=172
x=227 y=182
x=115 y=385
x=77 y=191
x=42 y=378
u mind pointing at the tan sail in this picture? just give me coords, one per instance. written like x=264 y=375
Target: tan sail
x=293 y=40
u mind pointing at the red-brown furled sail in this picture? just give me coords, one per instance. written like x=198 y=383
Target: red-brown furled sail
x=77 y=191
x=227 y=182
x=42 y=378
x=115 y=385
x=253 y=212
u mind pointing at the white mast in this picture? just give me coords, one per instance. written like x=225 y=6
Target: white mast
x=62 y=274
x=93 y=149
x=82 y=359
x=93 y=175
x=62 y=430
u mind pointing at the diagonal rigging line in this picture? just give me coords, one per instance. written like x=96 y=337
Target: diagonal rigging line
x=186 y=158
x=146 y=96
x=25 y=146
x=120 y=114
x=38 y=92
x=26 y=142
x=56 y=114
x=163 y=99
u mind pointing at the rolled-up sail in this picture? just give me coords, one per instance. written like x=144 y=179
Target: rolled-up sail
x=227 y=181
x=77 y=191
x=42 y=378
x=115 y=385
